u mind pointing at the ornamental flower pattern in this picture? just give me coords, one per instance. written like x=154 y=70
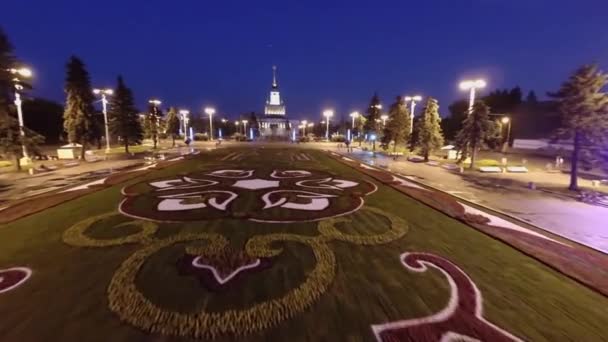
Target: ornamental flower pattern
x=265 y=196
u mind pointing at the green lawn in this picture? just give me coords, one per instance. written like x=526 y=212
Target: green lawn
x=347 y=270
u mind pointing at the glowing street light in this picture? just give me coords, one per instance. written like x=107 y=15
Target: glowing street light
x=384 y=117
x=506 y=121
x=244 y=127
x=210 y=111
x=185 y=119
x=27 y=73
x=412 y=100
x=328 y=114
x=472 y=85
x=354 y=115
x=104 y=103
x=304 y=123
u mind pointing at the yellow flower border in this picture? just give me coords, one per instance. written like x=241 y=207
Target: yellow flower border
x=134 y=308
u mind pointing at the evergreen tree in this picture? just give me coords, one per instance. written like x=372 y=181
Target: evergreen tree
x=172 y=125
x=477 y=129
x=398 y=126
x=372 y=119
x=430 y=137
x=151 y=124
x=11 y=140
x=360 y=122
x=453 y=123
x=78 y=115
x=584 y=110
x=531 y=98
x=124 y=119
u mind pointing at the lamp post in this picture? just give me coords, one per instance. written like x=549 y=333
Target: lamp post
x=472 y=86
x=185 y=119
x=155 y=103
x=327 y=114
x=304 y=123
x=210 y=111
x=104 y=105
x=412 y=100
x=354 y=115
x=506 y=121
x=244 y=128
x=23 y=72
x=383 y=117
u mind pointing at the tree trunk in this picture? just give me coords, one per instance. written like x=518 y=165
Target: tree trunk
x=126 y=146
x=574 y=163
x=173 y=140
x=426 y=156
x=154 y=138
x=17 y=162
x=83 y=150
x=473 y=155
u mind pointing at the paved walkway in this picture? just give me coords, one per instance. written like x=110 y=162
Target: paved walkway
x=583 y=223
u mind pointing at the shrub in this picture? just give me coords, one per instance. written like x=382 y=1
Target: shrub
x=201 y=137
x=338 y=138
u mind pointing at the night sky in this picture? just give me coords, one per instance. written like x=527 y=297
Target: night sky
x=196 y=53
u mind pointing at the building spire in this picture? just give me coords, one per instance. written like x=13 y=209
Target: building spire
x=274 y=77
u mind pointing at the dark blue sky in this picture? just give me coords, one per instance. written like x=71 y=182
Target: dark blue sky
x=196 y=53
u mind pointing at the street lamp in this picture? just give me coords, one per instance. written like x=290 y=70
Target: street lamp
x=104 y=103
x=328 y=114
x=413 y=100
x=472 y=85
x=244 y=127
x=185 y=119
x=506 y=121
x=155 y=103
x=304 y=123
x=210 y=111
x=27 y=73
x=384 y=117
x=354 y=115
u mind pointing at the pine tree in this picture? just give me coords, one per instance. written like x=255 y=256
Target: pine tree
x=172 y=124
x=531 y=98
x=398 y=126
x=151 y=124
x=372 y=119
x=11 y=140
x=477 y=129
x=78 y=116
x=584 y=110
x=124 y=119
x=430 y=137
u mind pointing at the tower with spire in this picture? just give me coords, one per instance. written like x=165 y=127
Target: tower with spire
x=274 y=124
x=274 y=104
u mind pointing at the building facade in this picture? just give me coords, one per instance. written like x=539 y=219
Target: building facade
x=275 y=124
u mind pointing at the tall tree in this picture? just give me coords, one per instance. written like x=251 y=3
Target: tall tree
x=477 y=129
x=78 y=115
x=584 y=110
x=172 y=124
x=453 y=123
x=372 y=119
x=430 y=136
x=398 y=126
x=124 y=118
x=151 y=123
x=531 y=97
x=44 y=116
x=11 y=140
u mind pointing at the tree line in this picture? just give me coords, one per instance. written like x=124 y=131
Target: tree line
x=580 y=102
